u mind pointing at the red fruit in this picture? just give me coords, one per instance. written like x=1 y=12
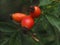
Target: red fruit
x=27 y=22
x=35 y=12
x=18 y=16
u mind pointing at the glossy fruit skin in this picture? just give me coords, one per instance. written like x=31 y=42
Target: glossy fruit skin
x=36 y=12
x=18 y=16
x=27 y=22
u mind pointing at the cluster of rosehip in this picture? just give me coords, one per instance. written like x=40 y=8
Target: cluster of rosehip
x=27 y=21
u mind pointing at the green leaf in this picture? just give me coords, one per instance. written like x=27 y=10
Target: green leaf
x=54 y=21
x=53 y=9
x=4 y=41
x=8 y=27
x=14 y=40
x=45 y=2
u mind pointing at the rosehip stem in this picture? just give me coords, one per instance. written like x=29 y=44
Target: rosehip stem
x=35 y=38
x=31 y=9
x=25 y=30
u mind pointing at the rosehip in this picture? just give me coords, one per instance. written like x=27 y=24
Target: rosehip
x=18 y=16
x=35 y=11
x=27 y=22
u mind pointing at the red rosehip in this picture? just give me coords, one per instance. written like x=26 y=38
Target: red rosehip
x=36 y=11
x=18 y=16
x=27 y=22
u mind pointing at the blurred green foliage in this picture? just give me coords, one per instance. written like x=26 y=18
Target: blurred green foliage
x=47 y=26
